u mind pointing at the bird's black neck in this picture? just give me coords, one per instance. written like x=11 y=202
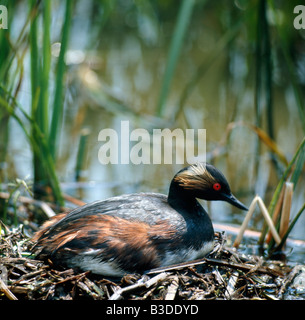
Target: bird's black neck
x=199 y=225
x=183 y=201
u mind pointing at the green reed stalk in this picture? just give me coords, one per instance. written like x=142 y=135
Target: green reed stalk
x=35 y=90
x=6 y=53
x=81 y=153
x=184 y=16
x=45 y=69
x=39 y=145
x=61 y=67
x=34 y=53
x=43 y=162
x=4 y=116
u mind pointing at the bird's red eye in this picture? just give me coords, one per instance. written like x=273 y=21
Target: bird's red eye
x=216 y=186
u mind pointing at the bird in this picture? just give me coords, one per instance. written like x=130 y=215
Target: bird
x=134 y=233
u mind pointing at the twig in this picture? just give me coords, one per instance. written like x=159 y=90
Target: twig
x=230 y=289
x=140 y=283
x=289 y=279
x=177 y=266
x=243 y=267
x=92 y=286
x=31 y=275
x=87 y=287
x=172 y=289
x=47 y=210
x=6 y=290
x=218 y=277
x=155 y=279
x=73 y=200
x=75 y=277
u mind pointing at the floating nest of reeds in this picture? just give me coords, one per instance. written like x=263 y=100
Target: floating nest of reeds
x=224 y=274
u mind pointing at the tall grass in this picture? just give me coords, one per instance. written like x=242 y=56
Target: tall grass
x=40 y=72
x=7 y=54
x=42 y=136
x=45 y=135
x=39 y=173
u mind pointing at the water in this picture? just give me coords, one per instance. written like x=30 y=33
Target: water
x=118 y=77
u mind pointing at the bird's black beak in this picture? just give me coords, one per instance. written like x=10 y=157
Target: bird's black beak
x=231 y=199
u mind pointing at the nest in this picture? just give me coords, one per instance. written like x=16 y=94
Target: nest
x=224 y=274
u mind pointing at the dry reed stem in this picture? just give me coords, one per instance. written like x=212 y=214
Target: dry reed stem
x=264 y=211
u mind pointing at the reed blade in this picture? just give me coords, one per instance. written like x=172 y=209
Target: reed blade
x=61 y=67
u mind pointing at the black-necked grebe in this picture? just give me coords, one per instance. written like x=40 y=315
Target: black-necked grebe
x=137 y=232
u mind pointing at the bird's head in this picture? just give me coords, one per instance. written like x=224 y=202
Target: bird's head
x=206 y=182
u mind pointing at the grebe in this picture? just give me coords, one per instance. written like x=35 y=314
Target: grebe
x=137 y=232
